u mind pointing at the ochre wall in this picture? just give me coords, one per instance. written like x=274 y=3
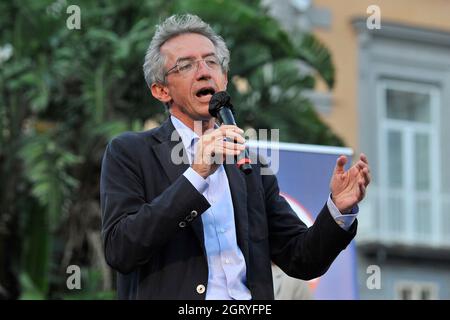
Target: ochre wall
x=341 y=39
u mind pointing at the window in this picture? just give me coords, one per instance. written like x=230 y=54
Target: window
x=403 y=109
x=408 y=148
x=410 y=290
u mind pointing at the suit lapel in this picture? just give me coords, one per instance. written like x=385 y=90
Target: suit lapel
x=236 y=181
x=163 y=151
x=171 y=143
x=238 y=188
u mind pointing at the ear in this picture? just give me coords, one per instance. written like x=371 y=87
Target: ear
x=161 y=92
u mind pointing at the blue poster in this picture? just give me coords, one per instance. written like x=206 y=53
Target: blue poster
x=304 y=173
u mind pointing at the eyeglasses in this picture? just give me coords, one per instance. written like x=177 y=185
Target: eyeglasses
x=185 y=67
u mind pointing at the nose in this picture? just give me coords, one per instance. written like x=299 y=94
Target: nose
x=203 y=71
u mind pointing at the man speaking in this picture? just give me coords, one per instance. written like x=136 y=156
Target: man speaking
x=201 y=228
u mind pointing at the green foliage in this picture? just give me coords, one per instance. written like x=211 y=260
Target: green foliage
x=31 y=292
x=91 y=279
x=65 y=93
x=46 y=165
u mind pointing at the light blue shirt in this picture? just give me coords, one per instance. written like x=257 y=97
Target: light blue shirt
x=226 y=264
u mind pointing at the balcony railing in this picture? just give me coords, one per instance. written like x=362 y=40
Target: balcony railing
x=396 y=217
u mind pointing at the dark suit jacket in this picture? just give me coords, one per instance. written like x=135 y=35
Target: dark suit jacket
x=153 y=234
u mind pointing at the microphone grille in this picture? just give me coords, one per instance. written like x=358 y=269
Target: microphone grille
x=218 y=100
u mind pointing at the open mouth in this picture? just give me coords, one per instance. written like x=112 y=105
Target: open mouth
x=205 y=92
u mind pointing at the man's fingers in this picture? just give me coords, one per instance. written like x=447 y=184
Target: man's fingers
x=225 y=144
x=231 y=145
x=230 y=135
x=234 y=138
x=219 y=136
x=363 y=166
x=362 y=191
x=218 y=151
x=340 y=163
x=366 y=175
x=363 y=158
x=226 y=127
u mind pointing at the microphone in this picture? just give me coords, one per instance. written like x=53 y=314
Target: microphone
x=221 y=108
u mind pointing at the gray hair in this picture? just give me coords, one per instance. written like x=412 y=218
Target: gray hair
x=172 y=27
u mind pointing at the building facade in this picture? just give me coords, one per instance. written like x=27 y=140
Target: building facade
x=391 y=101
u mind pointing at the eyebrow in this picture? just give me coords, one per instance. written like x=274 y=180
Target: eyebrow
x=192 y=58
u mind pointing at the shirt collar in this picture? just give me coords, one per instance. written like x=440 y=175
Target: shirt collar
x=186 y=133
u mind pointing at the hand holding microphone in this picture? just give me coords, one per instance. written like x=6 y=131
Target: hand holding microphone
x=220 y=144
x=221 y=108
x=214 y=146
